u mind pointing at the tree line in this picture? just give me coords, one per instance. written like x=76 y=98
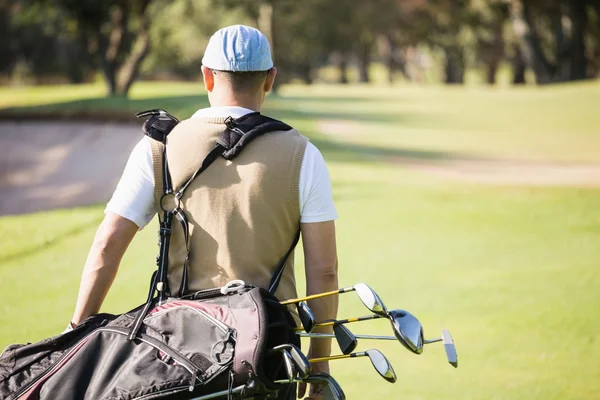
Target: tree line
x=74 y=40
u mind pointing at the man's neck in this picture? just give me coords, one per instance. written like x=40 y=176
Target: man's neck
x=250 y=102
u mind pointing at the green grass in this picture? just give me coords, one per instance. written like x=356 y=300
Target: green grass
x=556 y=124
x=513 y=272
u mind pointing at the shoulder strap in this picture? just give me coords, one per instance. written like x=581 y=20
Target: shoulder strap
x=156 y=149
x=243 y=130
x=276 y=278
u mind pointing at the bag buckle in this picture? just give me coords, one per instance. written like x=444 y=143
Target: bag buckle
x=233 y=286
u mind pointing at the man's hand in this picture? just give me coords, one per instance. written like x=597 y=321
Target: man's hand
x=111 y=240
x=316 y=390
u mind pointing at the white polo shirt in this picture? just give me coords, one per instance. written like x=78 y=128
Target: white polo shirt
x=134 y=196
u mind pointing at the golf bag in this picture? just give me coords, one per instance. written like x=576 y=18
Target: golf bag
x=182 y=347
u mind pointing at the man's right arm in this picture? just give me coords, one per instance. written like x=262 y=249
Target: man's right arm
x=321 y=267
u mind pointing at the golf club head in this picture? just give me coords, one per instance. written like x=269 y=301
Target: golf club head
x=335 y=387
x=346 y=339
x=307 y=318
x=382 y=365
x=289 y=365
x=450 y=348
x=370 y=299
x=408 y=330
x=301 y=363
x=332 y=390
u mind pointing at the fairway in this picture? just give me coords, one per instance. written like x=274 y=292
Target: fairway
x=507 y=260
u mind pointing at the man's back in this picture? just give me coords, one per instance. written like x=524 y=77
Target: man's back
x=243 y=213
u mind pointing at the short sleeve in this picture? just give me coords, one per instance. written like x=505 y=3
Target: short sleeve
x=134 y=196
x=316 y=199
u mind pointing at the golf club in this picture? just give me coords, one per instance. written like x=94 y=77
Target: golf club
x=407 y=328
x=307 y=318
x=333 y=386
x=289 y=365
x=379 y=361
x=288 y=361
x=367 y=295
x=344 y=321
x=301 y=363
x=450 y=348
x=346 y=339
x=449 y=345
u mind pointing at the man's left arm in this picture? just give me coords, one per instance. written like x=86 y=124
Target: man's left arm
x=110 y=243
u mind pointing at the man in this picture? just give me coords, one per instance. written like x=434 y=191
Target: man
x=244 y=213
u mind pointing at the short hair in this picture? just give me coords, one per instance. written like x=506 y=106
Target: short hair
x=244 y=80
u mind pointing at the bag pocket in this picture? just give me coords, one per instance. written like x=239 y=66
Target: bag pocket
x=197 y=335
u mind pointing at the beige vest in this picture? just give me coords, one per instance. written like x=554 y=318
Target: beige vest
x=243 y=214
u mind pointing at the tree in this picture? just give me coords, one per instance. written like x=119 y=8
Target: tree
x=551 y=36
x=118 y=37
x=487 y=24
x=40 y=43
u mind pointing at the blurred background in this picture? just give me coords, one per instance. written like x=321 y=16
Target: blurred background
x=423 y=41
x=462 y=138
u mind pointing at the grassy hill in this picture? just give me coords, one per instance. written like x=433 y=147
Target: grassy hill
x=512 y=270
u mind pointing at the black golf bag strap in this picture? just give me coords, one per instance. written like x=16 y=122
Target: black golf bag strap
x=276 y=278
x=245 y=129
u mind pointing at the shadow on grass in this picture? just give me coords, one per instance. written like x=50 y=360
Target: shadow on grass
x=351 y=152
x=39 y=247
x=286 y=108
x=105 y=109
x=123 y=110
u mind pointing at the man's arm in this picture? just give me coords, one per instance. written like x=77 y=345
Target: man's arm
x=321 y=265
x=111 y=240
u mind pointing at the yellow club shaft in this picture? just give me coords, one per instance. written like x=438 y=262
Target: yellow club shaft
x=311 y=297
x=330 y=358
x=331 y=323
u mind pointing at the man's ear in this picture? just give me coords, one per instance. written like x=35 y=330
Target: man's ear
x=209 y=78
x=270 y=79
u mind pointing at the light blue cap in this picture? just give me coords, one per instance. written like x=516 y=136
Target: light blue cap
x=238 y=48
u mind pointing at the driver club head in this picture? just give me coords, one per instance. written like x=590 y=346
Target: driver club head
x=370 y=299
x=307 y=318
x=382 y=365
x=408 y=330
x=450 y=348
x=346 y=339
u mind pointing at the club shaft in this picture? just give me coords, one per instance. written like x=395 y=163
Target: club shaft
x=368 y=337
x=318 y=296
x=343 y=321
x=331 y=335
x=338 y=357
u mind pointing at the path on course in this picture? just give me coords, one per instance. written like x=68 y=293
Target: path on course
x=483 y=170
x=53 y=164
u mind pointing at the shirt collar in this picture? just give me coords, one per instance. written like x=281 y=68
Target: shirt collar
x=223 y=111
